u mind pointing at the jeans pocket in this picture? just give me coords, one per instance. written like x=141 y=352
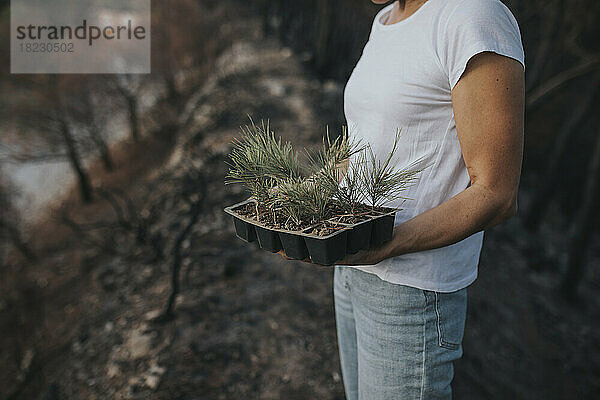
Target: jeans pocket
x=451 y=312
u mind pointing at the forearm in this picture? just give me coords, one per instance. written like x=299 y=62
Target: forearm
x=474 y=209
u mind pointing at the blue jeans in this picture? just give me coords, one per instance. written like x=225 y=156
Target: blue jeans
x=396 y=342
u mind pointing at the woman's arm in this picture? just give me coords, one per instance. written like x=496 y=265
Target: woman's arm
x=488 y=104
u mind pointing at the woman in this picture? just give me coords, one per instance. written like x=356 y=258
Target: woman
x=450 y=75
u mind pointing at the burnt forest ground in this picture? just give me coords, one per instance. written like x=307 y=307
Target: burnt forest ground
x=83 y=321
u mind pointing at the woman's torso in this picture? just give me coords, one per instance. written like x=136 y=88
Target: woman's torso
x=402 y=81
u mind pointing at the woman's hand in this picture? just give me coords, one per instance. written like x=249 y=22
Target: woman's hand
x=373 y=256
x=365 y=257
x=282 y=254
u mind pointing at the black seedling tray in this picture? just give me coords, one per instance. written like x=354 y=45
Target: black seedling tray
x=383 y=227
x=268 y=239
x=294 y=245
x=359 y=236
x=244 y=230
x=324 y=250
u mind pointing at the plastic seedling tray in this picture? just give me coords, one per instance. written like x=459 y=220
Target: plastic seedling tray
x=324 y=250
x=249 y=230
x=383 y=227
x=294 y=245
x=244 y=230
x=268 y=239
x=359 y=236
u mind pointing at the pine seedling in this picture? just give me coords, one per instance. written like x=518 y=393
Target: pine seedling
x=325 y=164
x=321 y=187
x=281 y=160
x=332 y=153
x=288 y=201
x=304 y=201
x=260 y=162
x=342 y=148
x=350 y=192
x=317 y=197
x=380 y=180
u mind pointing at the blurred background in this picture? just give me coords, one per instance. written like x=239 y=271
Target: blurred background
x=121 y=277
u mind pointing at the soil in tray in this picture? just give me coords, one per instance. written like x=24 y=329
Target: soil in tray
x=248 y=211
x=324 y=229
x=377 y=211
x=326 y=242
x=362 y=213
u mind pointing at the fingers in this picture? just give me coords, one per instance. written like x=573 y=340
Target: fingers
x=282 y=254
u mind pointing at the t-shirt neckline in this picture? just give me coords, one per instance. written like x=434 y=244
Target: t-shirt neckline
x=380 y=15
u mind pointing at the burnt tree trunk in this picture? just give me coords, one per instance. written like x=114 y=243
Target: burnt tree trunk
x=270 y=10
x=195 y=212
x=132 y=109
x=323 y=33
x=582 y=226
x=172 y=91
x=85 y=186
x=21 y=244
x=14 y=236
x=547 y=43
x=543 y=194
x=99 y=141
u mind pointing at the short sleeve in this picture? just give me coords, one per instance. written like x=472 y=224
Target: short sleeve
x=475 y=26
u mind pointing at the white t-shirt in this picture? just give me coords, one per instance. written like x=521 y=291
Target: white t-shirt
x=404 y=80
